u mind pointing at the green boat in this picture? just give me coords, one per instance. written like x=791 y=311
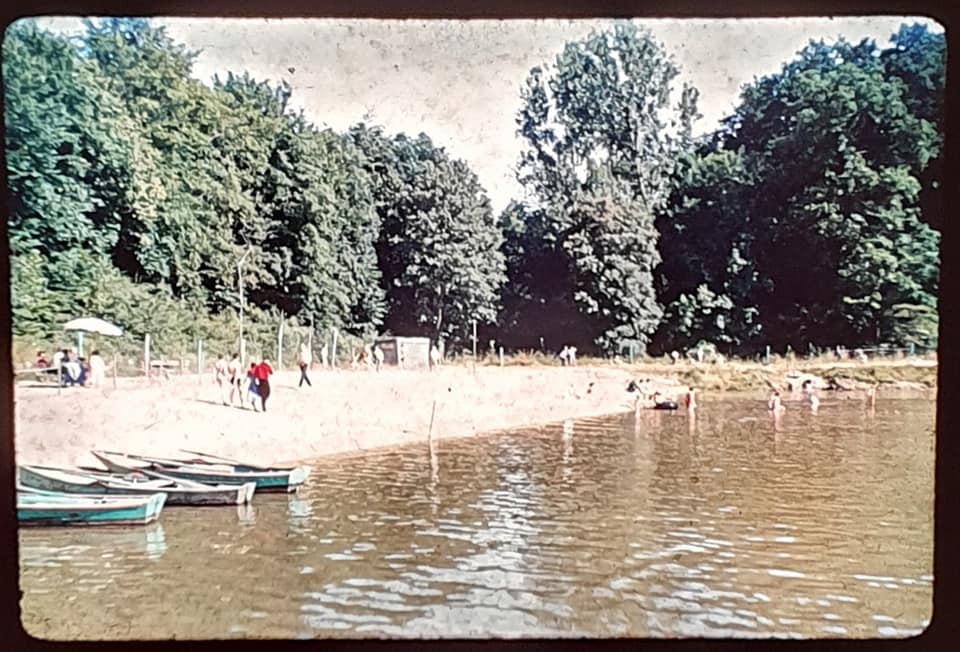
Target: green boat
x=48 y=508
x=178 y=491
x=275 y=480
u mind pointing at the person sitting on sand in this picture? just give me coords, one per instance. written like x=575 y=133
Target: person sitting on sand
x=262 y=373
x=252 y=391
x=41 y=361
x=71 y=370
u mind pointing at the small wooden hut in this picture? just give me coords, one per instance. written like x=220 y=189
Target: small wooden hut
x=405 y=352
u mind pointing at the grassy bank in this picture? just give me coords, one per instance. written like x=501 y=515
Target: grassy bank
x=738 y=375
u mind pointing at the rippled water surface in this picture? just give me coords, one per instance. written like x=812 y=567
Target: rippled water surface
x=818 y=526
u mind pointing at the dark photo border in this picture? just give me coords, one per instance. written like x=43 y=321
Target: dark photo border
x=944 y=630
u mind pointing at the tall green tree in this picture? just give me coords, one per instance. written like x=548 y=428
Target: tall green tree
x=602 y=141
x=69 y=145
x=439 y=243
x=319 y=243
x=805 y=212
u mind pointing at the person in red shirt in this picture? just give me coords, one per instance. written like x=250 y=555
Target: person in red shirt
x=262 y=373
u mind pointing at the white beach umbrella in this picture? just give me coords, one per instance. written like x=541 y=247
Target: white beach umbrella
x=93 y=325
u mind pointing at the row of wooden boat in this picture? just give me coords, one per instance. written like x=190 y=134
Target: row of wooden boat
x=134 y=488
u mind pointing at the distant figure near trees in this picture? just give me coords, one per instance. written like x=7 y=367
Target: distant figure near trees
x=323 y=356
x=377 y=356
x=41 y=361
x=435 y=356
x=304 y=360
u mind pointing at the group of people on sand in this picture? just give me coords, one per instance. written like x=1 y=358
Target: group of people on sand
x=253 y=385
x=75 y=370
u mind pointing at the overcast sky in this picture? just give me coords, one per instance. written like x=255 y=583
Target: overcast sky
x=459 y=81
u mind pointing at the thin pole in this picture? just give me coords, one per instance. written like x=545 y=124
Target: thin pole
x=114 y=370
x=240 y=310
x=199 y=361
x=146 y=355
x=501 y=356
x=333 y=353
x=474 y=346
x=280 y=347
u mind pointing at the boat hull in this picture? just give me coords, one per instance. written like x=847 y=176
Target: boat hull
x=267 y=481
x=47 y=510
x=198 y=495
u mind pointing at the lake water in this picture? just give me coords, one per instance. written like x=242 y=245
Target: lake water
x=818 y=526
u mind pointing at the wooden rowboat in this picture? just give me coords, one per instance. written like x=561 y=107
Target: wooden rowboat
x=177 y=491
x=43 y=509
x=266 y=480
x=197 y=457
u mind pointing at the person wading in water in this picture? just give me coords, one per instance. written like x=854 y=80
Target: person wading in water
x=262 y=373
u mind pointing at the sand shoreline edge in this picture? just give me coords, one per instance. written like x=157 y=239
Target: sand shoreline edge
x=342 y=412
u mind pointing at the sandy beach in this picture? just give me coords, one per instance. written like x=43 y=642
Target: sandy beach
x=343 y=411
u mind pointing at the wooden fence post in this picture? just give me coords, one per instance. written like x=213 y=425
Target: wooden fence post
x=501 y=356
x=114 y=370
x=333 y=352
x=146 y=356
x=474 y=346
x=199 y=362
x=280 y=347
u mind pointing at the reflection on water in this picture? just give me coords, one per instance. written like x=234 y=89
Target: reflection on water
x=731 y=524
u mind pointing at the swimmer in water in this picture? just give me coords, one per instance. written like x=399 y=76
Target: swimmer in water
x=691 y=399
x=774 y=404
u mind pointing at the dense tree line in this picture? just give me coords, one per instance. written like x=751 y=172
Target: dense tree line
x=136 y=192
x=810 y=218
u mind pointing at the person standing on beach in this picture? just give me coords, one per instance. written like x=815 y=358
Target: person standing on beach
x=98 y=369
x=252 y=390
x=691 y=400
x=234 y=378
x=304 y=358
x=323 y=355
x=262 y=373
x=220 y=375
x=377 y=356
x=435 y=356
